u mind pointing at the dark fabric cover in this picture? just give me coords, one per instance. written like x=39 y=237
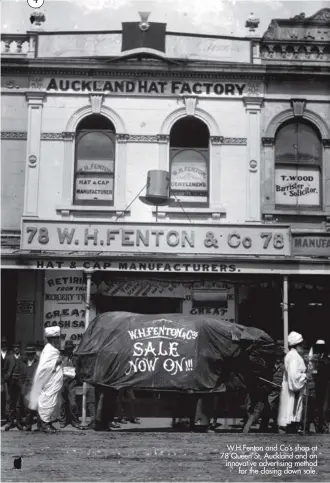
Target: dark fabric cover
x=171 y=352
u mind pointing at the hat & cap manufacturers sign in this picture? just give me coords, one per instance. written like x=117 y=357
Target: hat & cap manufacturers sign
x=311 y=245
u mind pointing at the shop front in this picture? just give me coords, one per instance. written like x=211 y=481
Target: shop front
x=244 y=274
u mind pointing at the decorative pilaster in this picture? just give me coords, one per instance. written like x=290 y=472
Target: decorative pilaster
x=163 y=151
x=120 y=171
x=268 y=174
x=35 y=104
x=253 y=108
x=68 y=169
x=326 y=177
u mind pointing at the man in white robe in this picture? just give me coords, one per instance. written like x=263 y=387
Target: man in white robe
x=294 y=380
x=45 y=396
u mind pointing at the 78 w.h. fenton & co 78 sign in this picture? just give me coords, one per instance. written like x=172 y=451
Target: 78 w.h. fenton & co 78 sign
x=155 y=238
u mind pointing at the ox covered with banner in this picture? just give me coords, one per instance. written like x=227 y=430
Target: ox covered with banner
x=170 y=352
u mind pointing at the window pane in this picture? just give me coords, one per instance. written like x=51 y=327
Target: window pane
x=95 y=152
x=97 y=188
x=295 y=186
x=298 y=143
x=189 y=177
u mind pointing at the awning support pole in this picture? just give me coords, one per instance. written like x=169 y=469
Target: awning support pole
x=88 y=300
x=286 y=311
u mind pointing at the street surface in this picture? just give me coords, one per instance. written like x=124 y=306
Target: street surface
x=152 y=452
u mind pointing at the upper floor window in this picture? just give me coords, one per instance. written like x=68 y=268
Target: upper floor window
x=189 y=161
x=298 y=164
x=95 y=161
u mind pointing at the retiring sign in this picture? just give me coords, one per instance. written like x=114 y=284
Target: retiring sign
x=64 y=303
x=157 y=238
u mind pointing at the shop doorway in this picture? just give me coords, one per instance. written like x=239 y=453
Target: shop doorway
x=138 y=305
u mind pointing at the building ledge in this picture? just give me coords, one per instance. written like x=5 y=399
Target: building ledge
x=193 y=212
x=317 y=213
x=67 y=210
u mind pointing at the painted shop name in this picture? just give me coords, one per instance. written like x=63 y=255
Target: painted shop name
x=146 y=87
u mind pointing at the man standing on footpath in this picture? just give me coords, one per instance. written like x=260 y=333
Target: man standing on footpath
x=28 y=370
x=294 y=380
x=69 y=408
x=45 y=395
x=12 y=379
x=4 y=387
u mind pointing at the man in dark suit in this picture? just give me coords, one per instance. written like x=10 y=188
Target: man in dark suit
x=28 y=369
x=12 y=371
x=69 y=408
x=4 y=387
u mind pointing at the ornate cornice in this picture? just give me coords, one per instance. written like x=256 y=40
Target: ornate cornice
x=203 y=72
x=14 y=135
x=163 y=138
x=268 y=141
x=221 y=140
x=57 y=136
x=122 y=138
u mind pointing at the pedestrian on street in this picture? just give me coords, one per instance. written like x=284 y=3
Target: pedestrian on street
x=47 y=384
x=69 y=408
x=126 y=406
x=293 y=384
x=39 y=348
x=4 y=386
x=28 y=370
x=272 y=405
x=322 y=388
x=12 y=371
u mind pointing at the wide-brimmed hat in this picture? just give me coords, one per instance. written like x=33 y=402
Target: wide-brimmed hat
x=279 y=349
x=39 y=345
x=30 y=348
x=69 y=344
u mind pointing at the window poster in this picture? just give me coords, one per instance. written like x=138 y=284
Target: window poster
x=297 y=186
x=95 y=166
x=94 y=180
x=189 y=177
x=64 y=303
x=98 y=188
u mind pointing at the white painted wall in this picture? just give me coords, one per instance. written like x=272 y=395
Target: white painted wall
x=144 y=116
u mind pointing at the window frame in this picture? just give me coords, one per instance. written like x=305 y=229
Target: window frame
x=78 y=136
x=298 y=164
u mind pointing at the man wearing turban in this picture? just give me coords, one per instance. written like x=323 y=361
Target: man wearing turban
x=293 y=384
x=45 y=396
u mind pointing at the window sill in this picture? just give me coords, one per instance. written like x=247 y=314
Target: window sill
x=318 y=213
x=86 y=210
x=214 y=213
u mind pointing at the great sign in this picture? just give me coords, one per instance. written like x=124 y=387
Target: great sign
x=155 y=238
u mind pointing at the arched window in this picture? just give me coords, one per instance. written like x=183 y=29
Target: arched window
x=95 y=161
x=298 y=162
x=189 y=161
